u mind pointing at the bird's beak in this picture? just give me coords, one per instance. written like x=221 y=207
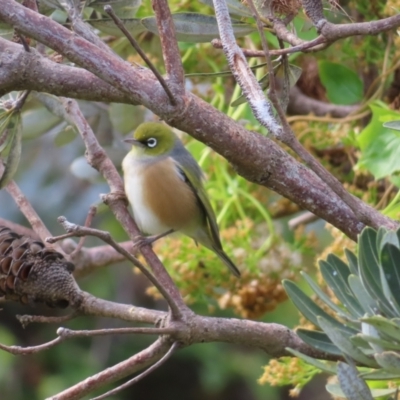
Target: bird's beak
x=133 y=142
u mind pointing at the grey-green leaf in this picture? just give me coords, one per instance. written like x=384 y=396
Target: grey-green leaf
x=197 y=28
x=370 y=269
x=369 y=305
x=335 y=390
x=351 y=384
x=392 y=125
x=310 y=309
x=325 y=298
x=389 y=360
x=344 y=343
x=323 y=366
x=384 y=326
x=318 y=340
x=335 y=273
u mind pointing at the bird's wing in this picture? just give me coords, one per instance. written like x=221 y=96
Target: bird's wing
x=194 y=180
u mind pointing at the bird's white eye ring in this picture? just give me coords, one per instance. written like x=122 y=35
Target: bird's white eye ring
x=152 y=142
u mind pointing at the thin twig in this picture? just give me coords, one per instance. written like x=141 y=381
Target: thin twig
x=80 y=231
x=169 y=44
x=108 y=9
x=88 y=222
x=137 y=362
x=311 y=46
x=148 y=371
x=23 y=351
x=27 y=210
x=68 y=333
x=25 y=320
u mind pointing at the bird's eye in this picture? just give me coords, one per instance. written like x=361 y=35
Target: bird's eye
x=151 y=142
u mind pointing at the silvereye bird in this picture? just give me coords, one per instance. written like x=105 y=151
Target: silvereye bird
x=164 y=185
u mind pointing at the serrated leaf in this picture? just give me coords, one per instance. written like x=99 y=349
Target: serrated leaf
x=107 y=26
x=123 y=8
x=343 y=86
x=384 y=326
x=14 y=153
x=324 y=297
x=235 y=7
x=318 y=340
x=379 y=154
x=335 y=273
x=310 y=309
x=323 y=366
x=351 y=384
x=370 y=269
x=343 y=343
x=389 y=360
x=197 y=28
x=369 y=305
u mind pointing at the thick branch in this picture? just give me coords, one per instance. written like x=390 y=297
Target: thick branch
x=255 y=157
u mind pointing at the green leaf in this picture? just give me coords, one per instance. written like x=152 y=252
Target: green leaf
x=14 y=152
x=65 y=136
x=107 y=26
x=318 y=340
x=197 y=28
x=335 y=273
x=351 y=384
x=343 y=86
x=311 y=310
x=344 y=343
x=389 y=360
x=235 y=7
x=123 y=8
x=323 y=366
x=379 y=145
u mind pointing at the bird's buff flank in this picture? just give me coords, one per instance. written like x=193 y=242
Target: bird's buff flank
x=164 y=185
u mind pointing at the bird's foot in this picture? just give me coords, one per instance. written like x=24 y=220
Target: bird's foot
x=141 y=241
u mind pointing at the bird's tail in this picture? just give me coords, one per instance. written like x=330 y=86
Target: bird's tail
x=227 y=261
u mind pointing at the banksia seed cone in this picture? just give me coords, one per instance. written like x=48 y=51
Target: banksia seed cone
x=29 y=272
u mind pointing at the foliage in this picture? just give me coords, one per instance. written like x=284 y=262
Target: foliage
x=253 y=220
x=363 y=324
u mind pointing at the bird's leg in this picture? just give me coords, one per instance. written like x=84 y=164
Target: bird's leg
x=141 y=241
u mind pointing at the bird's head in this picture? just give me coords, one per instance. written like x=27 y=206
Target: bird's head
x=152 y=139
